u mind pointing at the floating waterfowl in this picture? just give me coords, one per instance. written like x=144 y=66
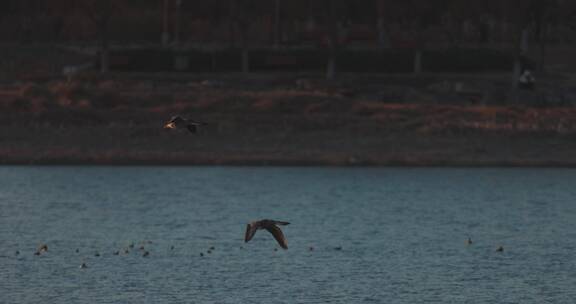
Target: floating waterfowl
x=43 y=248
x=83 y=266
x=500 y=249
x=177 y=122
x=270 y=226
x=469 y=241
x=146 y=253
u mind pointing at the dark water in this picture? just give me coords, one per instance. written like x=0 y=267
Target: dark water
x=402 y=235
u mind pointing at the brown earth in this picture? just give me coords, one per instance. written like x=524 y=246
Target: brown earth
x=287 y=120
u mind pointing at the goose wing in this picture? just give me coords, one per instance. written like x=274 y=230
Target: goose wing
x=278 y=235
x=250 y=231
x=193 y=128
x=198 y=123
x=280 y=223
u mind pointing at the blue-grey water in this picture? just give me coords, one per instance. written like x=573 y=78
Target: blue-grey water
x=402 y=235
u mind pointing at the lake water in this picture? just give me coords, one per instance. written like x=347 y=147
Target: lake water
x=402 y=235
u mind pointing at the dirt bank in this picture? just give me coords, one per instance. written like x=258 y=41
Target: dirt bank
x=284 y=120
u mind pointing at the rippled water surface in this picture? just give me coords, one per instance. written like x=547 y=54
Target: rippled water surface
x=378 y=235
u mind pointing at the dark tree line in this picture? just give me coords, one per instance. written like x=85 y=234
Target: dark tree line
x=330 y=24
x=30 y=17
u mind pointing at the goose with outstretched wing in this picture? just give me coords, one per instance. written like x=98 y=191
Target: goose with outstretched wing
x=177 y=122
x=271 y=226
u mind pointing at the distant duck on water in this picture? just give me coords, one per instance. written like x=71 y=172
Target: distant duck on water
x=177 y=122
x=42 y=248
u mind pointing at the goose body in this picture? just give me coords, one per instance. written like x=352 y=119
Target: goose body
x=271 y=226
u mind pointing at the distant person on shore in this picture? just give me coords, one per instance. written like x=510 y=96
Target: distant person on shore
x=526 y=80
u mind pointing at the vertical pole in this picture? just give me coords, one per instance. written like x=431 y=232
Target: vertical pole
x=333 y=36
x=232 y=22
x=177 y=24
x=418 y=61
x=517 y=67
x=277 y=26
x=382 y=39
x=165 y=36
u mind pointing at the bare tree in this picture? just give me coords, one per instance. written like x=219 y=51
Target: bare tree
x=334 y=10
x=540 y=13
x=100 y=13
x=239 y=24
x=545 y=14
x=417 y=16
x=165 y=39
x=383 y=9
x=517 y=12
x=277 y=22
x=419 y=26
x=457 y=18
x=177 y=25
x=28 y=11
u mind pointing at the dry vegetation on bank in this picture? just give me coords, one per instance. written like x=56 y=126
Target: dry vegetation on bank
x=279 y=120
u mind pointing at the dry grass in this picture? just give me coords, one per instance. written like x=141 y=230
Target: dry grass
x=120 y=122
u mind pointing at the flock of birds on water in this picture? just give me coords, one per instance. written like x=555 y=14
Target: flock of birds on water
x=42 y=249
x=251 y=228
x=192 y=126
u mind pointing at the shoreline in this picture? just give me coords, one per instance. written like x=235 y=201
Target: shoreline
x=391 y=163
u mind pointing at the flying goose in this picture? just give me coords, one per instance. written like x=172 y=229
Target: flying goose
x=177 y=122
x=269 y=225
